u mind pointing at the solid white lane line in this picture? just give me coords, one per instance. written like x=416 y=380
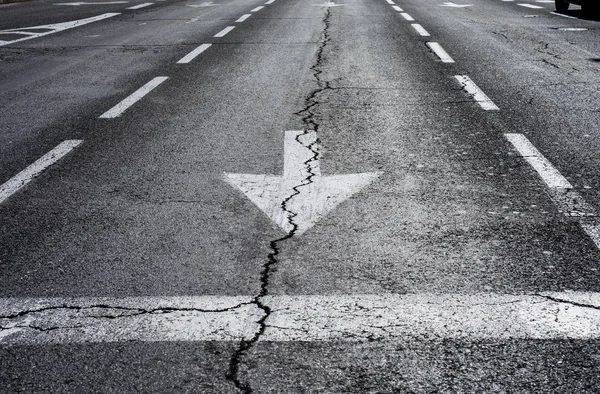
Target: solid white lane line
x=390 y=2
x=270 y=2
x=397 y=8
x=243 y=18
x=53 y=28
x=564 y=16
x=407 y=17
x=440 y=52
x=192 y=55
x=477 y=94
x=137 y=7
x=549 y=174
x=257 y=8
x=15 y=183
x=352 y=318
x=224 y=32
x=529 y=5
x=420 y=30
x=118 y=109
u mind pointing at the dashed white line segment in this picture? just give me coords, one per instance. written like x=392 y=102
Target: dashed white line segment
x=193 y=54
x=118 y=109
x=420 y=30
x=137 y=7
x=270 y=2
x=224 y=32
x=243 y=18
x=407 y=17
x=440 y=52
x=257 y=8
x=17 y=182
x=390 y=2
x=480 y=98
x=397 y=8
x=529 y=6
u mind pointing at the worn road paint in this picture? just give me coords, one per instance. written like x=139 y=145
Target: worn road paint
x=53 y=28
x=193 y=54
x=80 y=3
x=420 y=30
x=118 y=109
x=440 y=52
x=564 y=16
x=477 y=94
x=407 y=17
x=311 y=200
x=243 y=18
x=329 y=4
x=137 y=7
x=17 y=182
x=209 y=4
x=454 y=5
x=351 y=318
x=224 y=32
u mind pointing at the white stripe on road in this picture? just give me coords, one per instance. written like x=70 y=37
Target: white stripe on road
x=407 y=17
x=15 y=183
x=224 y=32
x=390 y=2
x=270 y=2
x=243 y=18
x=549 y=174
x=397 y=8
x=420 y=30
x=529 y=5
x=118 y=109
x=440 y=52
x=192 y=55
x=477 y=94
x=53 y=28
x=257 y=8
x=564 y=16
x=137 y=7
x=353 y=318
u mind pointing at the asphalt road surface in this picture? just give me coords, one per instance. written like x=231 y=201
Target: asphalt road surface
x=292 y=196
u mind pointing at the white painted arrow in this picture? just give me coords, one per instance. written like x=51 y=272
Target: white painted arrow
x=76 y=4
x=454 y=5
x=305 y=203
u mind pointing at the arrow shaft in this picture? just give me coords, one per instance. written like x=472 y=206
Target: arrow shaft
x=299 y=160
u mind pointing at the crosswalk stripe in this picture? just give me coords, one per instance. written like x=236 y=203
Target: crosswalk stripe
x=550 y=315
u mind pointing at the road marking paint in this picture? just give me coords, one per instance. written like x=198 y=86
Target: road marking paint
x=407 y=17
x=564 y=16
x=529 y=5
x=390 y=2
x=545 y=1
x=347 y=318
x=420 y=30
x=454 y=5
x=17 y=182
x=310 y=202
x=53 y=28
x=549 y=174
x=137 y=7
x=440 y=52
x=573 y=29
x=270 y=2
x=118 y=109
x=257 y=8
x=192 y=55
x=224 y=32
x=397 y=8
x=477 y=94
x=243 y=18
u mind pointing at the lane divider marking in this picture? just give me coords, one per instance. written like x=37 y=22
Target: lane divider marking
x=346 y=318
x=407 y=17
x=529 y=6
x=390 y=2
x=397 y=8
x=224 y=32
x=257 y=8
x=243 y=18
x=270 y=2
x=480 y=98
x=420 y=30
x=137 y=7
x=440 y=52
x=17 y=182
x=193 y=54
x=118 y=109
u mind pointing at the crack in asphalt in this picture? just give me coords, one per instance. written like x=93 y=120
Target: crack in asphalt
x=310 y=126
x=563 y=301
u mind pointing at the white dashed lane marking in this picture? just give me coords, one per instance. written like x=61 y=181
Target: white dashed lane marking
x=17 y=182
x=133 y=98
x=193 y=54
x=397 y=8
x=407 y=17
x=257 y=8
x=224 y=32
x=529 y=5
x=480 y=98
x=440 y=52
x=243 y=18
x=420 y=30
x=137 y=7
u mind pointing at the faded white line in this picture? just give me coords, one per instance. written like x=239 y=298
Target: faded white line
x=564 y=16
x=53 y=28
x=397 y=8
x=440 y=52
x=348 y=318
x=257 y=8
x=270 y=2
x=192 y=55
x=137 y=7
x=407 y=17
x=529 y=5
x=243 y=18
x=480 y=98
x=118 y=109
x=17 y=182
x=224 y=32
x=420 y=30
